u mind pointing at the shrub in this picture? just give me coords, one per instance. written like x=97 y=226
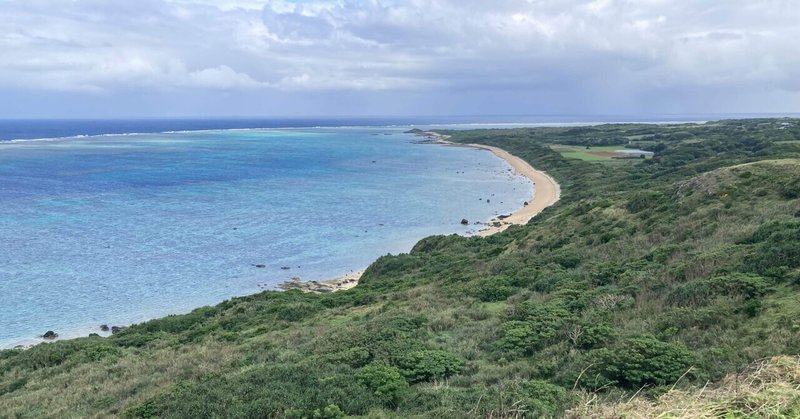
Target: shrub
x=644 y=360
x=567 y=259
x=595 y=335
x=518 y=336
x=296 y=311
x=742 y=285
x=543 y=399
x=386 y=382
x=331 y=411
x=99 y=352
x=354 y=357
x=699 y=293
x=13 y=386
x=428 y=365
x=640 y=201
x=493 y=290
x=692 y=294
x=776 y=244
x=145 y=410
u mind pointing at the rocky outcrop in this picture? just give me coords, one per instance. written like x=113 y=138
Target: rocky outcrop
x=50 y=335
x=322 y=287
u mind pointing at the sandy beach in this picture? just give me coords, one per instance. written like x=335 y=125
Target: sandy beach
x=546 y=190
x=546 y=193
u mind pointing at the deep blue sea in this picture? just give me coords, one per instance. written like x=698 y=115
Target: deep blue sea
x=118 y=229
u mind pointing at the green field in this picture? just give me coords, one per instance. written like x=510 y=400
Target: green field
x=581 y=155
x=594 y=153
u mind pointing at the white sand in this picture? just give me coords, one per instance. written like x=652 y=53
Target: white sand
x=547 y=191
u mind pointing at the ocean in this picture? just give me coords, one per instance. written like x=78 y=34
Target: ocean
x=102 y=222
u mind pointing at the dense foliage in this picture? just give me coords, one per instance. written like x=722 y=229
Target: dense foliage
x=649 y=273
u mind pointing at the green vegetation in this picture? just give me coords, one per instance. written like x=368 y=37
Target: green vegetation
x=592 y=153
x=767 y=389
x=649 y=277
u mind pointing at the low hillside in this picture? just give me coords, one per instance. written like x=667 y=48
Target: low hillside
x=650 y=276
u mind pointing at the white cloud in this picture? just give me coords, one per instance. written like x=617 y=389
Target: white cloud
x=604 y=47
x=222 y=77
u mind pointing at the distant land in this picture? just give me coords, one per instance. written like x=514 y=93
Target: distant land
x=36 y=128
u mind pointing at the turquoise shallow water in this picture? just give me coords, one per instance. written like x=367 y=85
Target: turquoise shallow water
x=120 y=229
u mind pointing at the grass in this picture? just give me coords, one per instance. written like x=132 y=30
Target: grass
x=768 y=388
x=589 y=153
x=587 y=156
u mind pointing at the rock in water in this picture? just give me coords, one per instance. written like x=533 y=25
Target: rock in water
x=104 y=328
x=50 y=335
x=464 y=221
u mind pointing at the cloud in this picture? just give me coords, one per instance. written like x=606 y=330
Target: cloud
x=582 y=55
x=222 y=77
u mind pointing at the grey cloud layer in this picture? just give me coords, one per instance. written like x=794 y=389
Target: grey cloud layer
x=618 y=53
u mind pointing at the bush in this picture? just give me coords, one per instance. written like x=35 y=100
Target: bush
x=428 y=365
x=776 y=245
x=354 y=357
x=148 y=409
x=699 y=293
x=567 y=259
x=543 y=399
x=595 y=335
x=746 y=286
x=99 y=352
x=386 y=382
x=296 y=311
x=331 y=411
x=493 y=290
x=692 y=294
x=644 y=360
x=518 y=336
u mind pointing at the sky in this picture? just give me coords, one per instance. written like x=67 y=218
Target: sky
x=169 y=58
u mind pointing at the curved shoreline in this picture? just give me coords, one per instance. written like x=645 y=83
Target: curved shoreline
x=546 y=193
x=546 y=190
